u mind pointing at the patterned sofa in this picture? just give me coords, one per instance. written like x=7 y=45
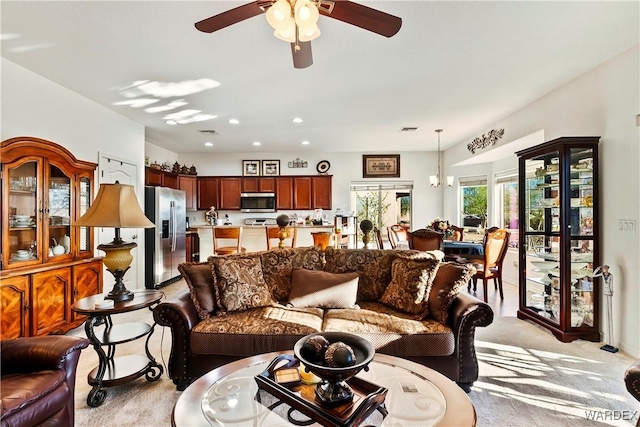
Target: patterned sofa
x=405 y=302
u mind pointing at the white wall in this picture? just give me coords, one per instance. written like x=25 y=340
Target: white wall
x=345 y=168
x=35 y=106
x=602 y=102
x=155 y=154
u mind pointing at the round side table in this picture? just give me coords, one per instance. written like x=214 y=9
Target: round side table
x=111 y=370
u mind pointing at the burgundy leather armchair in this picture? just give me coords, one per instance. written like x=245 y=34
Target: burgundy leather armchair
x=38 y=377
x=632 y=381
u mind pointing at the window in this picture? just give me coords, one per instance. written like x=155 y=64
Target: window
x=473 y=201
x=507 y=197
x=382 y=203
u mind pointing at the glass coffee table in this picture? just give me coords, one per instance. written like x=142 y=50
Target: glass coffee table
x=229 y=396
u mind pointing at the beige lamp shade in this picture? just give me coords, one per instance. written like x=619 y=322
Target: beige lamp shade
x=115 y=206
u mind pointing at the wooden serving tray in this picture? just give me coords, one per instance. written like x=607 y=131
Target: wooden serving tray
x=367 y=398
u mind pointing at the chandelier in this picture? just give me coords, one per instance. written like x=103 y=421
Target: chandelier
x=297 y=20
x=436 y=180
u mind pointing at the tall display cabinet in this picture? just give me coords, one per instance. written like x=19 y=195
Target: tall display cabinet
x=45 y=263
x=559 y=237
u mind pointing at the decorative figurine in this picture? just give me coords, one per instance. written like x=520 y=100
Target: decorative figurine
x=607 y=291
x=211 y=216
x=192 y=170
x=176 y=167
x=282 y=221
x=366 y=226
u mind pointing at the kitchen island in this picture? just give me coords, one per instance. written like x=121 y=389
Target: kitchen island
x=254 y=237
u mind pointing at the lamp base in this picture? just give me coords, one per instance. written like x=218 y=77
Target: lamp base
x=119 y=291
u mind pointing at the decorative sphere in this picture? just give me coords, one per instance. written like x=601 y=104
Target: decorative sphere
x=366 y=225
x=339 y=355
x=314 y=348
x=283 y=220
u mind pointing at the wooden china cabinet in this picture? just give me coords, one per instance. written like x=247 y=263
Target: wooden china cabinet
x=45 y=263
x=559 y=237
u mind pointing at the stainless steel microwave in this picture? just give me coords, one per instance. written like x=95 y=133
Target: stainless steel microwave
x=257 y=202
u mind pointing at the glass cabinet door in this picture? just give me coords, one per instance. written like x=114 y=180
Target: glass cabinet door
x=23 y=221
x=84 y=233
x=59 y=208
x=581 y=229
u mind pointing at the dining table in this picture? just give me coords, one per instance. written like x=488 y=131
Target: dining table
x=453 y=247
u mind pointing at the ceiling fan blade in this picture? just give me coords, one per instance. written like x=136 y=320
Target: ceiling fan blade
x=365 y=17
x=302 y=58
x=230 y=17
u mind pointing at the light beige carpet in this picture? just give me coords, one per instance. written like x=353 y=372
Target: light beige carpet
x=527 y=378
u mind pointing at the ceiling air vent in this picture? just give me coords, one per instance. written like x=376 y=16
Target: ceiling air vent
x=210 y=132
x=408 y=129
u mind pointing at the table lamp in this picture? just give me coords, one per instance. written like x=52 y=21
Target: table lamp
x=116 y=206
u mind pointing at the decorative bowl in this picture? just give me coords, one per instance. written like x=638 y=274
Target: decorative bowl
x=544 y=265
x=333 y=390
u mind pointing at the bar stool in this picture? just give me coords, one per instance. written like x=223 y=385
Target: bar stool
x=227 y=233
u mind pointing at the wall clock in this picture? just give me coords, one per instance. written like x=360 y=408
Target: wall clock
x=323 y=166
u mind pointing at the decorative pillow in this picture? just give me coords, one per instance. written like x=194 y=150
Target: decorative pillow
x=410 y=284
x=277 y=266
x=451 y=277
x=201 y=282
x=310 y=288
x=240 y=284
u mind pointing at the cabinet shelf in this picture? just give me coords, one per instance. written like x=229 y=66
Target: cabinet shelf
x=561 y=206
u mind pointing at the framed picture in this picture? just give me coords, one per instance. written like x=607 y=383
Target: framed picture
x=250 y=167
x=381 y=165
x=270 y=167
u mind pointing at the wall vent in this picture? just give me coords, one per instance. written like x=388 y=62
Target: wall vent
x=210 y=132
x=408 y=129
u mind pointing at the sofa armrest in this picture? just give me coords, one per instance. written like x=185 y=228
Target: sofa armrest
x=467 y=312
x=180 y=315
x=33 y=354
x=632 y=379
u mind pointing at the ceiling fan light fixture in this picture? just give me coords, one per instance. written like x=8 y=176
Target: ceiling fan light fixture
x=288 y=34
x=279 y=15
x=306 y=13
x=309 y=33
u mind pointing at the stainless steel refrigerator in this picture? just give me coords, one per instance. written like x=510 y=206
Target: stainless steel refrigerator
x=164 y=244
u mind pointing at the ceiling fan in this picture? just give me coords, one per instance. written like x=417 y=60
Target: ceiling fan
x=295 y=21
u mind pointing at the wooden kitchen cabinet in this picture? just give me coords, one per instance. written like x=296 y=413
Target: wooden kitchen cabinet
x=14 y=305
x=302 y=192
x=189 y=185
x=230 y=189
x=321 y=192
x=153 y=177
x=208 y=193
x=258 y=185
x=284 y=193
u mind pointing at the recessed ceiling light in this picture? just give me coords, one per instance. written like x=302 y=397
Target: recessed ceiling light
x=296 y=120
x=305 y=143
x=208 y=144
x=234 y=121
x=257 y=143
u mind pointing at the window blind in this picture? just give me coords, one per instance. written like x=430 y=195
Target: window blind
x=507 y=177
x=472 y=181
x=381 y=186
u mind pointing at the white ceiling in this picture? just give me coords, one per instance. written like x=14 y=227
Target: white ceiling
x=460 y=66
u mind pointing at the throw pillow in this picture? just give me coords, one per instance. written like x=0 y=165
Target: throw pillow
x=312 y=288
x=201 y=282
x=240 y=284
x=451 y=277
x=277 y=266
x=410 y=284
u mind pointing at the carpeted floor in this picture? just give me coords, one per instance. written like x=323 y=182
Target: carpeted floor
x=527 y=378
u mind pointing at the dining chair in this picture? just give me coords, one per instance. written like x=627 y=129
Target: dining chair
x=489 y=266
x=226 y=234
x=458 y=233
x=378 y=236
x=272 y=234
x=397 y=233
x=425 y=240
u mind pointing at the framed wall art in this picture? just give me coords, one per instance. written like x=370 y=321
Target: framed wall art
x=381 y=165
x=270 y=167
x=250 y=167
